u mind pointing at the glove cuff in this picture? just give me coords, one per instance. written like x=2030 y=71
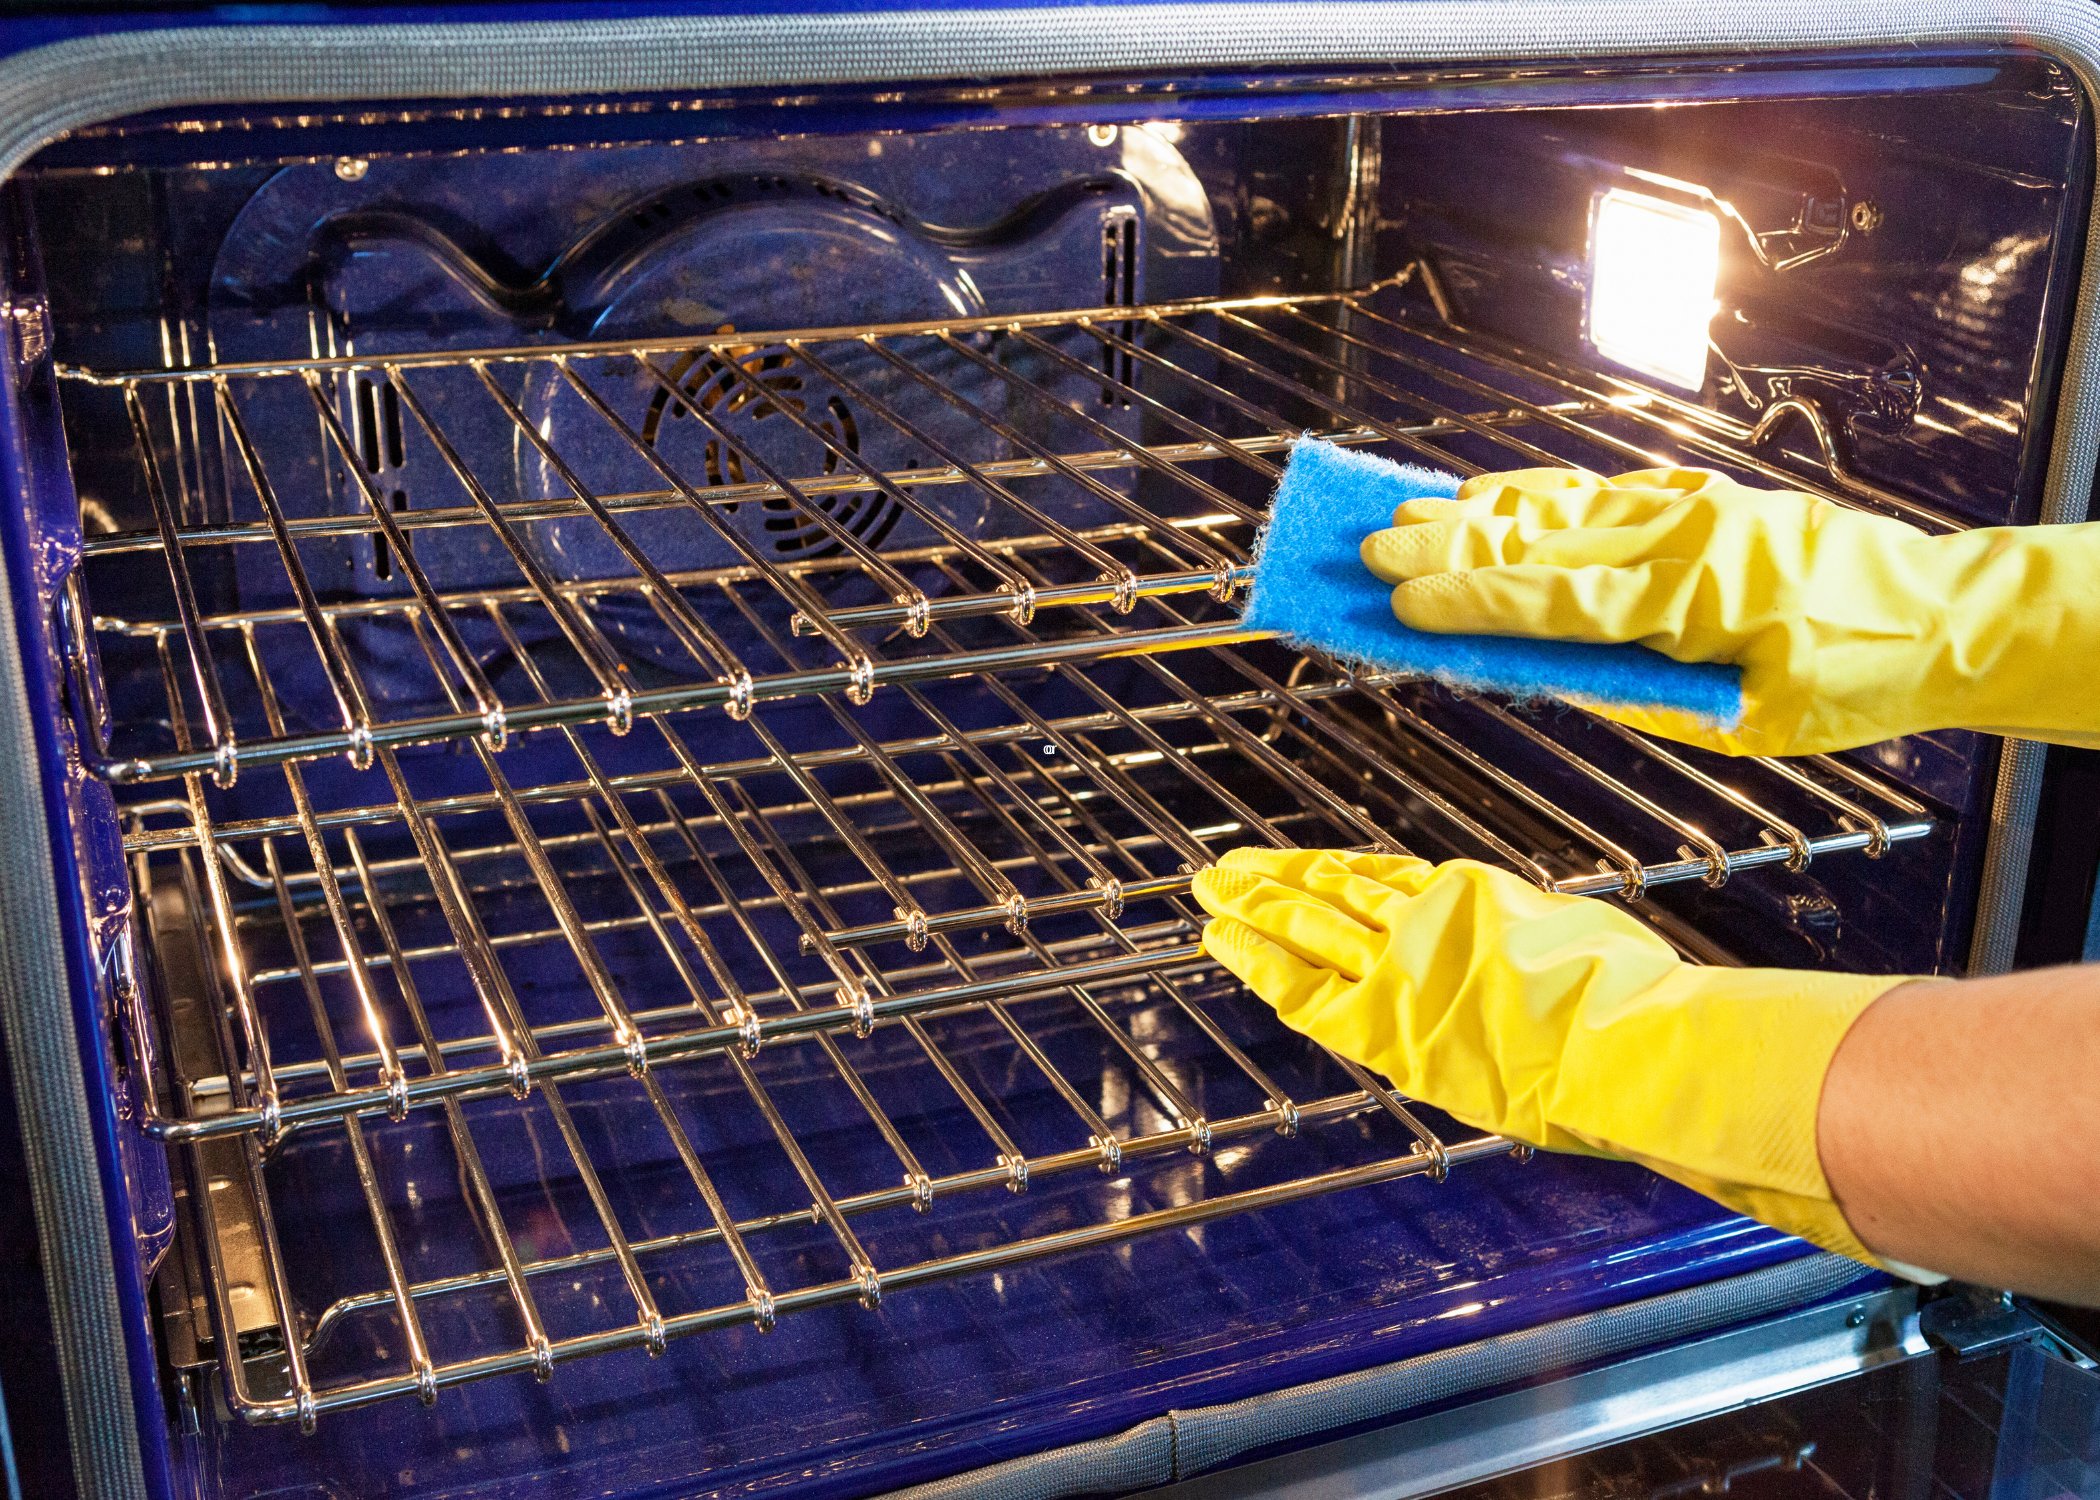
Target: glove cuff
x=1715 y=1078
x=2022 y=606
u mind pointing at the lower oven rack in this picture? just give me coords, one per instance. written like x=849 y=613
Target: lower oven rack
x=1111 y=981
x=776 y=999
x=437 y=972
x=247 y=1277
x=1089 y=833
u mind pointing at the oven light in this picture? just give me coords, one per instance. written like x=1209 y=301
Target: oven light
x=1653 y=266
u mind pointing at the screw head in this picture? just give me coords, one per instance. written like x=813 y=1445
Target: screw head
x=1101 y=135
x=351 y=168
x=1866 y=216
x=1854 y=1318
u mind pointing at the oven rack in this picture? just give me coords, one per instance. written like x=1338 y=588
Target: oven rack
x=1102 y=980
x=405 y=932
x=1097 y=818
x=462 y=966
x=238 y=1285
x=1222 y=386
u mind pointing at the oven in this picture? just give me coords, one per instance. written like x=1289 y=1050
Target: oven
x=625 y=641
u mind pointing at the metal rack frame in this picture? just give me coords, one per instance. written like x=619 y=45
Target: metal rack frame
x=1068 y=871
x=243 y=1114
x=1047 y=813
x=737 y=1024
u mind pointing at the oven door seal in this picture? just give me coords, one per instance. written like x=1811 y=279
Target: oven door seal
x=1784 y=1335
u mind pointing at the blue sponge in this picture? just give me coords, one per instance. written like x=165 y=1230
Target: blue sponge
x=1311 y=587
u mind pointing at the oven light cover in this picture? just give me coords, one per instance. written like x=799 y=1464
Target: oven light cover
x=1653 y=269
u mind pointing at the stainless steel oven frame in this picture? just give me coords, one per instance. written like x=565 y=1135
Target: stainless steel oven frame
x=74 y=85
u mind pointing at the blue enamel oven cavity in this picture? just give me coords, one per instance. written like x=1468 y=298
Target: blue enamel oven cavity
x=462 y=228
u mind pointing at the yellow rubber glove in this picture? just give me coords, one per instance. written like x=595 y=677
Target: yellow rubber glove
x=1555 y=1020
x=1850 y=628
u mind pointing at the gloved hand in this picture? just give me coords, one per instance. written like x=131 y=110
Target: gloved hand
x=1850 y=628
x=1555 y=1020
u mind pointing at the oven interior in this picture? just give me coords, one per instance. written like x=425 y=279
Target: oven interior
x=649 y=704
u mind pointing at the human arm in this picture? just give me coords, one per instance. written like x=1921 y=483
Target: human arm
x=1564 y=1022
x=1959 y=1128
x=1849 y=627
x=1954 y=1124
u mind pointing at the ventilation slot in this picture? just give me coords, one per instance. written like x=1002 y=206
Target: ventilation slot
x=1119 y=288
x=744 y=387
x=381 y=450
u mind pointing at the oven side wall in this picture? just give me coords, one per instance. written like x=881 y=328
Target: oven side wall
x=84 y=1185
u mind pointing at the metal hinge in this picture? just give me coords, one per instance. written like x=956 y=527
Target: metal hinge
x=1973 y=1321
x=29 y=332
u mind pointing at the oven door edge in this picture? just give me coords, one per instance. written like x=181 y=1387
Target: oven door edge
x=50 y=1008
x=1786 y=1348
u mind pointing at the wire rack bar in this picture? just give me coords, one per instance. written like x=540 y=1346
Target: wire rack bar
x=112 y=543
x=148 y=840
x=1668 y=872
x=648 y=1052
x=304 y=1408
x=679 y=344
x=210 y=1088
x=495 y=723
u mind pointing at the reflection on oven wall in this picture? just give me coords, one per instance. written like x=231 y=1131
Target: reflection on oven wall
x=461 y=253
x=1865 y=264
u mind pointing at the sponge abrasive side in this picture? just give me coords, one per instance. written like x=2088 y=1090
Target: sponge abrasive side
x=1311 y=587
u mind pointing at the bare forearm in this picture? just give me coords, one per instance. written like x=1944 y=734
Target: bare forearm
x=1960 y=1130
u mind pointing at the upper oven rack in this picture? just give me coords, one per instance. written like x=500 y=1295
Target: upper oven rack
x=1261 y=369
